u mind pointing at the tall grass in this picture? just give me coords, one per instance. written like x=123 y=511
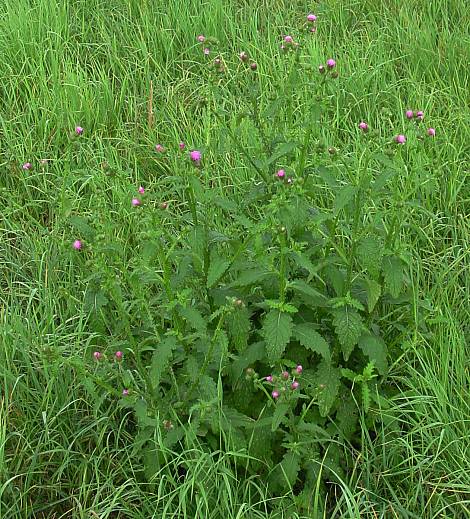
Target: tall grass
x=94 y=63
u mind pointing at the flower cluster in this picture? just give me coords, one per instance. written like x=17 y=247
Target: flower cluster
x=284 y=382
x=289 y=44
x=311 y=19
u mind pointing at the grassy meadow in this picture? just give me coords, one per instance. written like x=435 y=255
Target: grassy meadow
x=132 y=74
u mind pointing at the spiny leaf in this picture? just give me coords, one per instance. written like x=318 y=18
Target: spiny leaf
x=277 y=329
x=161 y=359
x=370 y=252
x=393 y=275
x=349 y=327
x=375 y=348
x=328 y=381
x=344 y=196
x=194 y=318
x=309 y=338
x=238 y=327
x=217 y=268
x=373 y=291
x=280 y=411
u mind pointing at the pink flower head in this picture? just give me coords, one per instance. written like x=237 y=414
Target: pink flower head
x=206 y=51
x=159 y=148
x=77 y=245
x=311 y=17
x=400 y=139
x=125 y=392
x=195 y=156
x=363 y=126
x=299 y=369
x=409 y=114
x=27 y=165
x=97 y=355
x=294 y=385
x=182 y=145
x=135 y=202
x=78 y=130
x=118 y=355
x=419 y=114
x=281 y=173
x=288 y=39
x=285 y=375
x=431 y=132
x=201 y=38
x=141 y=190
x=331 y=63
x=275 y=395
x=269 y=378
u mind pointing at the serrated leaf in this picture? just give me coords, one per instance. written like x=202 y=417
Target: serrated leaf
x=255 y=351
x=382 y=179
x=94 y=300
x=393 y=275
x=370 y=252
x=373 y=291
x=194 y=318
x=249 y=277
x=327 y=379
x=327 y=176
x=282 y=150
x=309 y=338
x=277 y=329
x=280 y=411
x=238 y=327
x=343 y=197
x=314 y=297
x=347 y=416
x=348 y=326
x=376 y=349
x=161 y=359
x=290 y=467
x=217 y=268
x=80 y=224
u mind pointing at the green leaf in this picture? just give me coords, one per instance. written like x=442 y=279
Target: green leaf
x=238 y=327
x=280 y=411
x=309 y=338
x=81 y=225
x=328 y=381
x=327 y=176
x=250 y=277
x=365 y=396
x=217 y=268
x=344 y=196
x=194 y=318
x=161 y=359
x=277 y=329
x=370 y=252
x=282 y=150
x=290 y=467
x=393 y=275
x=376 y=349
x=346 y=416
x=313 y=297
x=197 y=241
x=373 y=291
x=349 y=327
x=382 y=179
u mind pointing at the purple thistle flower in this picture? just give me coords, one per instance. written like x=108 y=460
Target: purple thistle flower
x=409 y=114
x=363 y=126
x=269 y=378
x=254 y=66
x=400 y=139
x=135 y=202
x=206 y=51
x=299 y=369
x=125 y=392
x=275 y=395
x=182 y=145
x=195 y=156
x=78 y=130
x=311 y=17
x=119 y=355
x=27 y=165
x=141 y=190
x=331 y=63
x=97 y=355
x=294 y=385
x=420 y=115
x=77 y=245
x=159 y=148
x=288 y=39
x=281 y=173
x=201 y=38
x=431 y=132
x=285 y=375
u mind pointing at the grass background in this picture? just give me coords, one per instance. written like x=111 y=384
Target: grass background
x=92 y=63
